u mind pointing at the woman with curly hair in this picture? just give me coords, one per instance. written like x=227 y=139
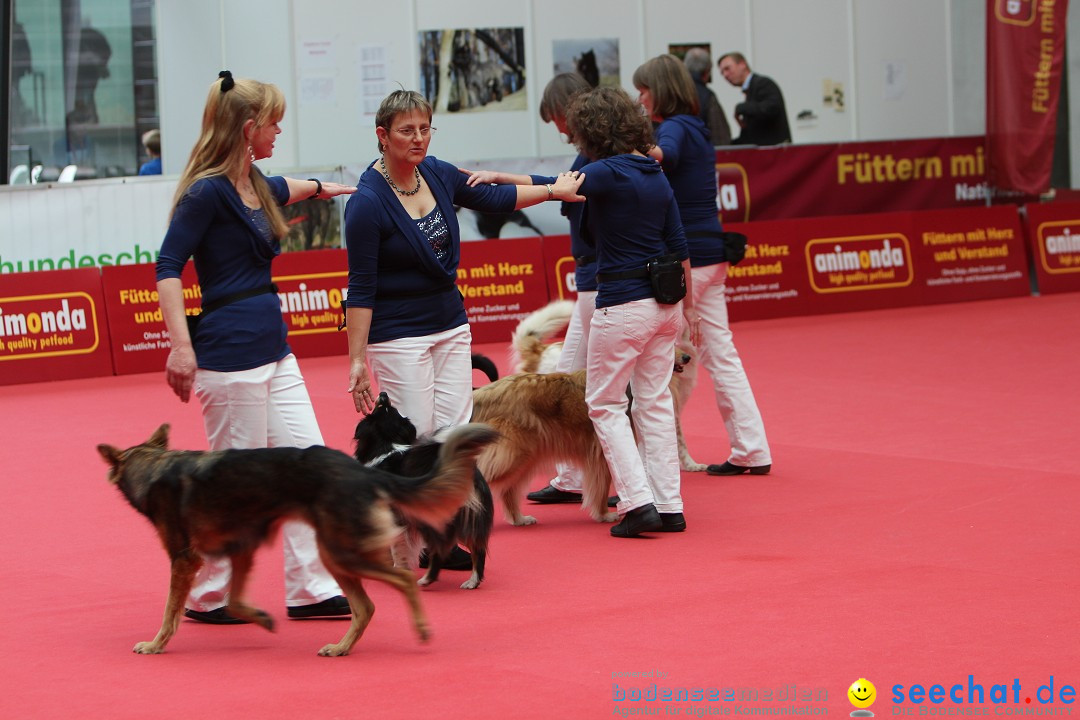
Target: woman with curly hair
x=631 y=217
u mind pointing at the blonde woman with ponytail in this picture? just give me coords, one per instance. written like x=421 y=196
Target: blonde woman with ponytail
x=227 y=216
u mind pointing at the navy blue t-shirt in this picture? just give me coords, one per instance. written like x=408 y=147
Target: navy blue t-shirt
x=631 y=217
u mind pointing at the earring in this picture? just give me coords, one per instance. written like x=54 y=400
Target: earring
x=251 y=153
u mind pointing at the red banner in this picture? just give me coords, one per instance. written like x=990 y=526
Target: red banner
x=561 y=279
x=1025 y=51
x=793 y=181
x=140 y=342
x=868 y=262
x=502 y=282
x=52 y=326
x=1053 y=232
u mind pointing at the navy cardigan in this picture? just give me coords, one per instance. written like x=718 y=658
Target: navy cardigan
x=231 y=255
x=392 y=268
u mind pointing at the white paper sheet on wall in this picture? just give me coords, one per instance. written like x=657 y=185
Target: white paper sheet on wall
x=374 y=73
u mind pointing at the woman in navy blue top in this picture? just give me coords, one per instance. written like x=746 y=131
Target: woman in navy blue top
x=226 y=215
x=689 y=161
x=631 y=218
x=403 y=310
x=567 y=486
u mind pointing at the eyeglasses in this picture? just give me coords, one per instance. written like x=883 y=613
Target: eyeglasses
x=410 y=132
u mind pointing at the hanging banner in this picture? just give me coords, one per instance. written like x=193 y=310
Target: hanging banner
x=1025 y=51
x=1053 y=232
x=793 y=181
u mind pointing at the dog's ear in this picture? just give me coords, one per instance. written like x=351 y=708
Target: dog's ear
x=160 y=438
x=111 y=455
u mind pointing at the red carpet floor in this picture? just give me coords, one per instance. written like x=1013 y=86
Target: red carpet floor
x=920 y=528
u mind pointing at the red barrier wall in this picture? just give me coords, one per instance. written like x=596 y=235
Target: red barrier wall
x=1053 y=231
x=86 y=322
x=867 y=262
x=53 y=326
x=502 y=282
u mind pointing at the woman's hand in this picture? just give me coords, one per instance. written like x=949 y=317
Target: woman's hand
x=693 y=324
x=360 y=388
x=482 y=177
x=180 y=371
x=566 y=186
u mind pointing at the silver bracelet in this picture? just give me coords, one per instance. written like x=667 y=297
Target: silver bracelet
x=551 y=192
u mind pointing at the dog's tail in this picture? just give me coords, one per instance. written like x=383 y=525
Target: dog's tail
x=434 y=498
x=485 y=365
x=530 y=337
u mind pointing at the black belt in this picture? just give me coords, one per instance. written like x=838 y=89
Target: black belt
x=624 y=275
x=704 y=233
x=427 y=292
x=237 y=296
x=584 y=259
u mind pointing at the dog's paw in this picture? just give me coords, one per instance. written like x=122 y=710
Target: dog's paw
x=609 y=517
x=524 y=520
x=333 y=650
x=148 y=648
x=263 y=619
x=472 y=583
x=424 y=581
x=691 y=466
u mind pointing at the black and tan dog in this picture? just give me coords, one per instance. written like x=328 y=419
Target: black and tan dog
x=227 y=503
x=387 y=440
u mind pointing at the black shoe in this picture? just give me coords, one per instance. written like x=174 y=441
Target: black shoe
x=729 y=469
x=217 y=616
x=331 y=607
x=672 y=522
x=459 y=560
x=551 y=494
x=637 y=521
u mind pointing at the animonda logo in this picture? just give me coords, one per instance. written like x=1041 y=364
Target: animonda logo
x=864 y=262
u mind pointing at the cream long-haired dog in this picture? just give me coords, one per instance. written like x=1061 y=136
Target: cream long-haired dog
x=532 y=351
x=541 y=419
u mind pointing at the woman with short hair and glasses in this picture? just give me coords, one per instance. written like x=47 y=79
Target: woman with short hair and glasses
x=404 y=313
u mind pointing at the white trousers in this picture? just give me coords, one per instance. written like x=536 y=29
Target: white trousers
x=575 y=351
x=734 y=398
x=428 y=378
x=267 y=406
x=634 y=344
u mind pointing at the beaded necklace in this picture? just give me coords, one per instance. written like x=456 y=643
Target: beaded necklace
x=416 y=171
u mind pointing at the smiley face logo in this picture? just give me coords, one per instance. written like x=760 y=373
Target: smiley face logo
x=862 y=693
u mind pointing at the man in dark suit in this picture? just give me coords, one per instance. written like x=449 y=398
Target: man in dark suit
x=762 y=116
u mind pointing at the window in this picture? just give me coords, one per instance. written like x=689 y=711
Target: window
x=83 y=86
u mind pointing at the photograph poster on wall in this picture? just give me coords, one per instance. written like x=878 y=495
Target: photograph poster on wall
x=473 y=70
x=596 y=60
x=679 y=49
